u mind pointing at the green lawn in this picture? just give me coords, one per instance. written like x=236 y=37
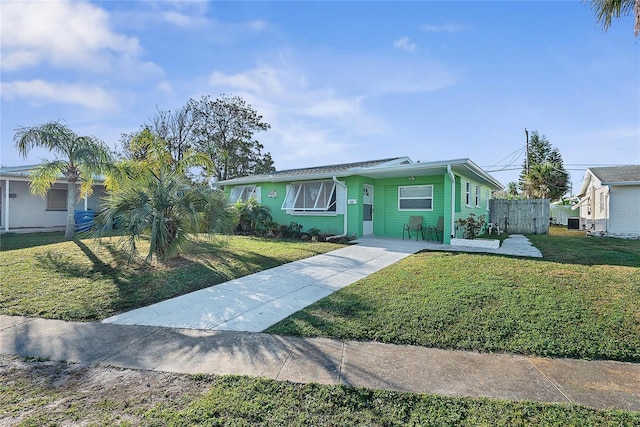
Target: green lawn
x=580 y=301
x=44 y=276
x=63 y=394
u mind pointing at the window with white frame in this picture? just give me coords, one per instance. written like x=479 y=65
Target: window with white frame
x=243 y=194
x=487 y=197
x=602 y=202
x=467 y=194
x=316 y=196
x=477 y=196
x=415 y=198
x=57 y=199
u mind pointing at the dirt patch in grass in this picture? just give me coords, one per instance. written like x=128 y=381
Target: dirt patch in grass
x=37 y=392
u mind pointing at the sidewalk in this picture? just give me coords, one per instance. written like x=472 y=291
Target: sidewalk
x=600 y=384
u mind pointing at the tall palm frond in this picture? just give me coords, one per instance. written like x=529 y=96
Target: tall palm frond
x=78 y=159
x=606 y=10
x=44 y=176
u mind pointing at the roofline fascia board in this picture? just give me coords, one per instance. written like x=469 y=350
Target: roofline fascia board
x=372 y=171
x=27 y=178
x=620 y=183
x=25 y=168
x=481 y=173
x=588 y=176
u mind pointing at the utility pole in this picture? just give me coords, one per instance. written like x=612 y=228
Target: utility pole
x=526 y=158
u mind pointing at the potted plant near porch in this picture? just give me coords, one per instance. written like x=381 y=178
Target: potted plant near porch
x=471 y=227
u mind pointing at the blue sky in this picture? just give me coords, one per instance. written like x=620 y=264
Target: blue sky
x=337 y=81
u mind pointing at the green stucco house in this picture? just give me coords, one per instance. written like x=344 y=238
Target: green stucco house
x=372 y=198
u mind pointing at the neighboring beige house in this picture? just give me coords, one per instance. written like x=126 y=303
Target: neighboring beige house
x=610 y=201
x=19 y=209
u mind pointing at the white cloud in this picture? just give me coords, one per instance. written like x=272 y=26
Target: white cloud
x=38 y=91
x=442 y=28
x=183 y=20
x=165 y=87
x=311 y=124
x=62 y=33
x=404 y=44
x=257 y=25
x=260 y=80
x=336 y=107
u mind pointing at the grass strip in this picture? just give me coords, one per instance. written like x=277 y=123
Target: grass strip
x=58 y=393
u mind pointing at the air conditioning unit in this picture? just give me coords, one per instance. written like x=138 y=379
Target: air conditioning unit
x=575 y=223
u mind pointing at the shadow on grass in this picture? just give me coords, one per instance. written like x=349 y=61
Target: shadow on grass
x=319 y=319
x=14 y=241
x=121 y=283
x=186 y=351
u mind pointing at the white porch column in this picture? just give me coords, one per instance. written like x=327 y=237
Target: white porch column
x=6 y=205
x=85 y=202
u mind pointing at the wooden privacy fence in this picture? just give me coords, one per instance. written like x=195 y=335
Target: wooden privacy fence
x=521 y=216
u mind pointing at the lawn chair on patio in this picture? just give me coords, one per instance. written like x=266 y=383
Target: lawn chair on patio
x=415 y=224
x=436 y=229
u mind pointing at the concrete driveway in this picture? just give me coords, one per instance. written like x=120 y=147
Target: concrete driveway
x=255 y=302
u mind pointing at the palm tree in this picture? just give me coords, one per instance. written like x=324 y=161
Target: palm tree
x=150 y=196
x=545 y=180
x=166 y=208
x=252 y=216
x=79 y=159
x=606 y=10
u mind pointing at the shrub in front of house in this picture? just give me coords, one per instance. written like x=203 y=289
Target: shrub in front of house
x=470 y=226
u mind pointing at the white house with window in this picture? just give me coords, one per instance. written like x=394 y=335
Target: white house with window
x=374 y=197
x=21 y=210
x=610 y=201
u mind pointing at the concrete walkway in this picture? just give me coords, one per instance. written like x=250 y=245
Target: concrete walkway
x=255 y=302
x=600 y=384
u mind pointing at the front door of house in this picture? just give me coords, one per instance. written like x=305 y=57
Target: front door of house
x=367 y=209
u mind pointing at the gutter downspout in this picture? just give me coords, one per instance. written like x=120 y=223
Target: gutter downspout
x=453 y=200
x=6 y=206
x=346 y=208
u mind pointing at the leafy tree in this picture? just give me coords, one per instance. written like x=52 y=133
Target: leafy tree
x=79 y=159
x=606 y=10
x=145 y=149
x=543 y=173
x=176 y=129
x=225 y=129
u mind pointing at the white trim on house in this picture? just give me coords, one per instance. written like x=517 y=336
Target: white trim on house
x=413 y=198
x=320 y=197
x=244 y=193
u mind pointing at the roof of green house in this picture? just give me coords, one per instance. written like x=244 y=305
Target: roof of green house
x=383 y=168
x=24 y=173
x=617 y=174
